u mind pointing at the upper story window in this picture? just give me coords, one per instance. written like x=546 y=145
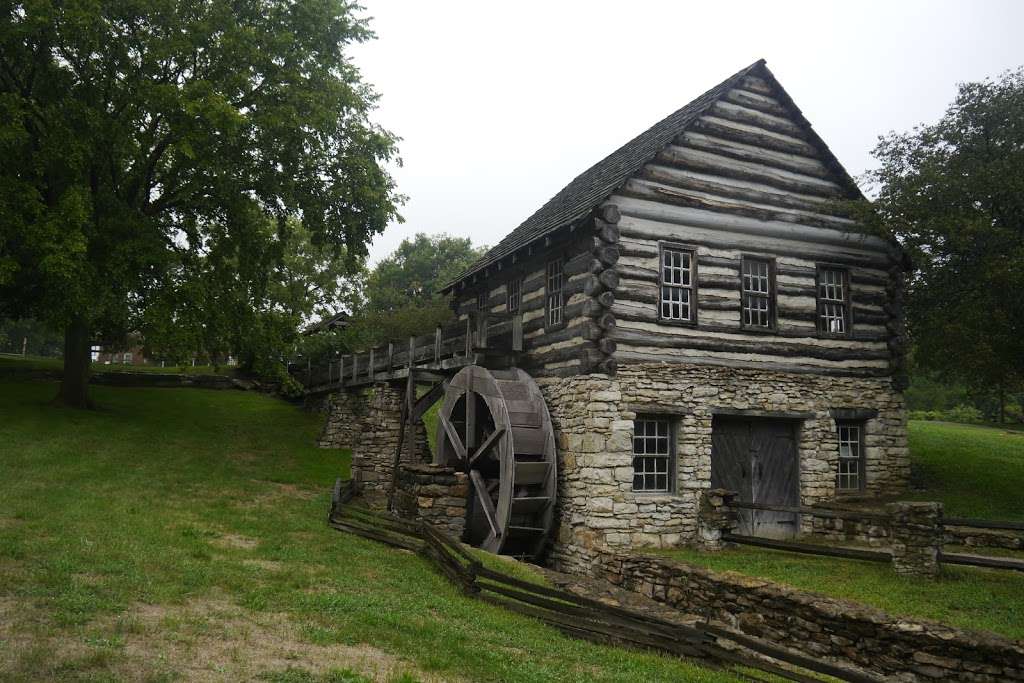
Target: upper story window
x=553 y=291
x=833 y=301
x=757 y=293
x=850 y=476
x=677 y=285
x=653 y=455
x=514 y=294
x=481 y=300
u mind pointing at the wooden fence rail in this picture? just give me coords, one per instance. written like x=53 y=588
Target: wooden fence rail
x=971 y=560
x=574 y=614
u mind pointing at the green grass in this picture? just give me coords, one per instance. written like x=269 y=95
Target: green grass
x=975 y=472
x=970 y=598
x=179 y=533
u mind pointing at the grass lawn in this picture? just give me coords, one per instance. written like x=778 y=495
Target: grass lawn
x=179 y=534
x=975 y=472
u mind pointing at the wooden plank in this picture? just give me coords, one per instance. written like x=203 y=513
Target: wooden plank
x=983 y=561
x=809 y=549
x=488 y=443
x=486 y=504
x=453 y=436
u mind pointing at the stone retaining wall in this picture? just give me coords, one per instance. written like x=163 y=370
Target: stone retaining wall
x=368 y=422
x=896 y=648
x=593 y=419
x=434 y=494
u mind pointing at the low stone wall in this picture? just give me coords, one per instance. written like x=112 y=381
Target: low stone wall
x=893 y=647
x=878 y=535
x=368 y=422
x=1010 y=539
x=434 y=494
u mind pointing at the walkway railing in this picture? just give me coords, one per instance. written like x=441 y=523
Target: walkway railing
x=449 y=347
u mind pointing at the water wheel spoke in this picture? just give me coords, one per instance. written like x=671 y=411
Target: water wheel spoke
x=487 y=444
x=486 y=504
x=453 y=436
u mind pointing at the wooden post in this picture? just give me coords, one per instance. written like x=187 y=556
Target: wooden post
x=309 y=369
x=412 y=353
x=437 y=344
x=371 y=369
x=391 y=355
x=481 y=330
x=341 y=369
x=355 y=367
x=469 y=336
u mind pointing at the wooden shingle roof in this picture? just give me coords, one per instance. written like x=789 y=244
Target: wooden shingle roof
x=593 y=186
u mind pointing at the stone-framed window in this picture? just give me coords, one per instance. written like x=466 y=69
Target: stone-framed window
x=757 y=293
x=554 y=303
x=514 y=294
x=677 y=302
x=654 y=454
x=833 y=292
x=850 y=474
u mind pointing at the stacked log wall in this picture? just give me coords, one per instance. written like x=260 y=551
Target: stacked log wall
x=747 y=179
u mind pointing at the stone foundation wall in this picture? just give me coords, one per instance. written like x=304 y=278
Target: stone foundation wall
x=368 y=422
x=434 y=494
x=593 y=418
x=816 y=624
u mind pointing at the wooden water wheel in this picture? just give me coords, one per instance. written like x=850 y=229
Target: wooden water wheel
x=494 y=425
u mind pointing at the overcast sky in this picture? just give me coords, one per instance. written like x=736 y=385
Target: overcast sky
x=499 y=105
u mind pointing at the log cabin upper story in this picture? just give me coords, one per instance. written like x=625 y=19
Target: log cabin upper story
x=718 y=236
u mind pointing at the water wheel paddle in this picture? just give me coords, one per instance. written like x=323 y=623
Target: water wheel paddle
x=494 y=425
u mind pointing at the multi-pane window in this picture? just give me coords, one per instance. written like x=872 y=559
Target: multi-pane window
x=851 y=457
x=553 y=291
x=833 y=309
x=514 y=291
x=757 y=293
x=652 y=455
x=677 y=281
x=481 y=300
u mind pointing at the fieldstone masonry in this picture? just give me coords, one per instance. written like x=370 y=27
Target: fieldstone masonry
x=916 y=537
x=435 y=494
x=369 y=423
x=715 y=517
x=593 y=418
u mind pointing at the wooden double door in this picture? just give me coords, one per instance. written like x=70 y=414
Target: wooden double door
x=757 y=458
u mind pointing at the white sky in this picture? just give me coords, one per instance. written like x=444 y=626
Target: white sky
x=501 y=104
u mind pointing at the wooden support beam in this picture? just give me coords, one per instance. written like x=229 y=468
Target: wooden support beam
x=486 y=445
x=486 y=504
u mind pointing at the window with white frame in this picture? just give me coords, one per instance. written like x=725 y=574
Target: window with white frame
x=553 y=285
x=851 y=457
x=514 y=292
x=757 y=293
x=127 y=358
x=677 y=285
x=833 y=302
x=653 y=455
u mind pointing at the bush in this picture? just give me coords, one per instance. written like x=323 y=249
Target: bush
x=962 y=413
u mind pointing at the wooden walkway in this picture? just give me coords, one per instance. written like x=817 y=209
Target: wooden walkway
x=482 y=338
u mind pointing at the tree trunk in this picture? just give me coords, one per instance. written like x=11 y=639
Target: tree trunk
x=1002 y=405
x=74 y=387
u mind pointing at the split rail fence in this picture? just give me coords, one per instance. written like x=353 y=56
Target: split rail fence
x=449 y=347
x=573 y=614
x=871 y=555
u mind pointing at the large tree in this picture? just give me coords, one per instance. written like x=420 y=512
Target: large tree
x=953 y=194
x=138 y=135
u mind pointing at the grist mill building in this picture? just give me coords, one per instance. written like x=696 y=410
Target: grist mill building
x=693 y=311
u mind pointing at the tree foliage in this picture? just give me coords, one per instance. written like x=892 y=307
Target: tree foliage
x=146 y=141
x=953 y=194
